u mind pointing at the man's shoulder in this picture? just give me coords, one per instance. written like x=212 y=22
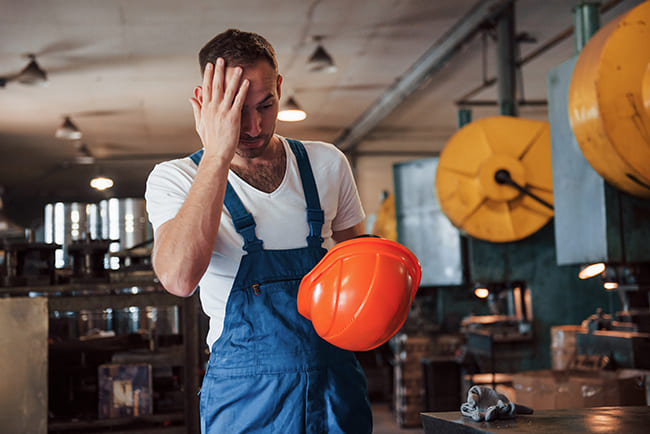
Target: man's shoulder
x=326 y=159
x=176 y=165
x=319 y=149
x=318 y=144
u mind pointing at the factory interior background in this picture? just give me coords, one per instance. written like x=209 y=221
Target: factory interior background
x=504 y=142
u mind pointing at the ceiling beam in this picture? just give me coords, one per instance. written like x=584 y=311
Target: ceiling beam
x=420 y=71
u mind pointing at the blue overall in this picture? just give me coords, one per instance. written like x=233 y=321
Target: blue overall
x=269 y=371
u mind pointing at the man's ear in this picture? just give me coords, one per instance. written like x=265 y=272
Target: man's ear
x=198 y=94
x=279 y=86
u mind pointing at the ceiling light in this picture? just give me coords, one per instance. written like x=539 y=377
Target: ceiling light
x=32 y=74
x=84 y=159
x=68 y=130
x=321 y=61
x=101 y=183
x=610 y=285
x=290 y=111
x=481 y=292
x=591 y=270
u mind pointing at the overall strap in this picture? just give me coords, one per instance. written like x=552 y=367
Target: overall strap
x=196 y=157
x=241 y=218
x=315 y=214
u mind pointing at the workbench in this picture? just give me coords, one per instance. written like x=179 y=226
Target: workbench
x=577 y=420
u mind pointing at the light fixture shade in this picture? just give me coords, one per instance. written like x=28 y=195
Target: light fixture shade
x=101 y=183
x=321 y=61
x=591 y=270
x=290 y=111
x=32 y=74
x=481 y=292
x=68 y=130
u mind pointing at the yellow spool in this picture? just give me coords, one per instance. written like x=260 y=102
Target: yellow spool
x=609 y=101
x=468 y=193
x=386 y=224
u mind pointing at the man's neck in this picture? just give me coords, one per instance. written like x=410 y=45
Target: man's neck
x=265 y=172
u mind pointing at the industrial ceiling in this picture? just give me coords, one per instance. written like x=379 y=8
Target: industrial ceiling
x=123 y=72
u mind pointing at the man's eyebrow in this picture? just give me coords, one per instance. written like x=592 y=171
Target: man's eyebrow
x=264 y=101
x=269 y=96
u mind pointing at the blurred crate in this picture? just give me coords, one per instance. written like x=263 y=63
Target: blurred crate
x=408 y=389
x=413 y=344
x=125 y=390
x=441 y=383
x=407 y=418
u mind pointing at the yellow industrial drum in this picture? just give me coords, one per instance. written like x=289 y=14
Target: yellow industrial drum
x=609 y=101
x=468 y=184
x=386 y=224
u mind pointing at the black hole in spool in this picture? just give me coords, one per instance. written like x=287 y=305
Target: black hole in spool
x=502 y=176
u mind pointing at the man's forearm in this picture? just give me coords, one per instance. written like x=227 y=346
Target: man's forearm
x=183 y=245
x=346 y=234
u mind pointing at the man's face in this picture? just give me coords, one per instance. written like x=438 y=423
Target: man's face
x=258 y=117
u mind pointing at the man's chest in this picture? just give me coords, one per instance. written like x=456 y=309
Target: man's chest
x=264 y=175
x=263 y=178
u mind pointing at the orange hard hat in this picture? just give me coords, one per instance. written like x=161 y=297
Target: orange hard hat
x=359 y=295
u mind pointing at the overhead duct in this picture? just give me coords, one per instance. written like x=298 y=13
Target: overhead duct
x=421 y=71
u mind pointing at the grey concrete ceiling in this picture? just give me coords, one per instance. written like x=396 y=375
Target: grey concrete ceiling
x=124 y=70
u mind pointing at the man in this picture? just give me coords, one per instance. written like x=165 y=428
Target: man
x=245 y=219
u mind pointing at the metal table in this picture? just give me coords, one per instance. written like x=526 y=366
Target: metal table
x=578 y=420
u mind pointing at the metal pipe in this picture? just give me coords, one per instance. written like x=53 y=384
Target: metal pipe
x=546 y=46
x=586 y=22
x=464 y=117
x=420 y=72
x=493 y=103
x=506 y=63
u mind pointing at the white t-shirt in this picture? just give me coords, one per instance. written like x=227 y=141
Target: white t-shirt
x=280 y=216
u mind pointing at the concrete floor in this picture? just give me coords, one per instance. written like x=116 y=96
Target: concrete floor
x=384 y=421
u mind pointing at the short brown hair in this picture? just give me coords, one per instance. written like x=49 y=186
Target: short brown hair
x=237 y=48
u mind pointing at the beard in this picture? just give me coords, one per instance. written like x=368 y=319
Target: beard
x=246 y=152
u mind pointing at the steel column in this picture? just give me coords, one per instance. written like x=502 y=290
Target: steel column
x=586 y=22
x=506 y=62
x=464 y=117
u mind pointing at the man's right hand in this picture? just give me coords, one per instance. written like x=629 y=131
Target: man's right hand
x=183 y=245
x=217 y=107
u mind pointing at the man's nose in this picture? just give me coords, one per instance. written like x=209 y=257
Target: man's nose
x=251 y=123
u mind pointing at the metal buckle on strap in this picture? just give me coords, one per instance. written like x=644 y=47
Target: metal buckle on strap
x=315 y=218
x=244 y=222
x=245 y=226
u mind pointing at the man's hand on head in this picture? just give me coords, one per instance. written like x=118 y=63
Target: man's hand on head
x=217 y=107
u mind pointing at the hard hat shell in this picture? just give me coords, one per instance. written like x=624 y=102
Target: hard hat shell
x=360 y=293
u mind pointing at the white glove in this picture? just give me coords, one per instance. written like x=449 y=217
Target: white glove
x=486 y=403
